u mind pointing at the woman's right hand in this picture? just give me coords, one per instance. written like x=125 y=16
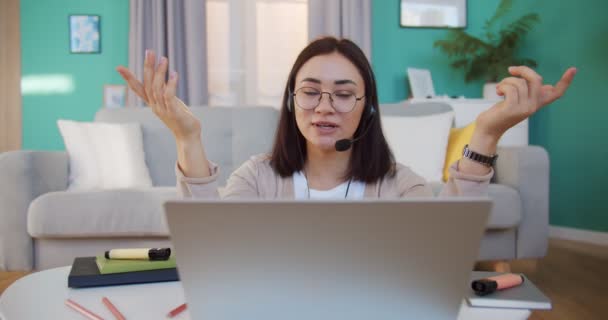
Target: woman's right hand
x=160 y=96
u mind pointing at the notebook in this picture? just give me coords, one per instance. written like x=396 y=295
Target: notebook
x=524 y=296
x=85 y=273
x=368 y=259
x=107 y=266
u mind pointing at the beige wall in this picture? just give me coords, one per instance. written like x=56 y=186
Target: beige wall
x=10 y=76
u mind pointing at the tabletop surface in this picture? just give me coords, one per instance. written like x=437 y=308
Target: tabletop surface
x=42 y=295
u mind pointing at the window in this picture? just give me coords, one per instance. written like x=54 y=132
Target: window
x=251 y=48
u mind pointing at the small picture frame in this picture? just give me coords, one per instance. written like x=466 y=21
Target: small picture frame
x=85 y=33
x=114 y=95
x=421 y=83
x=433 y=13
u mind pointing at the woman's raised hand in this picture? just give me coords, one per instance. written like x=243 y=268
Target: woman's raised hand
x=524 y=94
x=159 y=94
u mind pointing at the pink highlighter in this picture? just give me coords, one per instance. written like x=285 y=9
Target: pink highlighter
x=486 y=286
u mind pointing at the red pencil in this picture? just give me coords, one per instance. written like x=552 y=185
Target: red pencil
x=82 y=310
x=113 y=309
x=177 y=310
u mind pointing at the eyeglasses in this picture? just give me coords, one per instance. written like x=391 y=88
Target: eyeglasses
x=342 y=101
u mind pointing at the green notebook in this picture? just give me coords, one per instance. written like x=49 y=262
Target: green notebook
x=107 y=266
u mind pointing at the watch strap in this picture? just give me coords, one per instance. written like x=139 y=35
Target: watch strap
x=478 y=157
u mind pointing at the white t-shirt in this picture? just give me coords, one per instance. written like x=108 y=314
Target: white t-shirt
x=355 y=192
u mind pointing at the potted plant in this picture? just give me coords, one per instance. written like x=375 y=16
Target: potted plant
x=487 y=58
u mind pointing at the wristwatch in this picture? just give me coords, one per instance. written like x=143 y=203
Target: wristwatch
x=479 y=158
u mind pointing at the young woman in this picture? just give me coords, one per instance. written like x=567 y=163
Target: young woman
x=329 y=142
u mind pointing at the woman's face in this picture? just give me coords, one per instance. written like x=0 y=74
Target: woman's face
x=323 y=125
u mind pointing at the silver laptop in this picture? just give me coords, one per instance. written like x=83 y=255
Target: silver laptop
x=326 y=260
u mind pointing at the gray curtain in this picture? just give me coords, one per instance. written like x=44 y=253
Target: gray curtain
x=342 y=18
x=175 y=29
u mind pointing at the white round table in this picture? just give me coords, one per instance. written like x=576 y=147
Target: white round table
x=42 y=295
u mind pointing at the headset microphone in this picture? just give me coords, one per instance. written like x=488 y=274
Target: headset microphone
x=345 y=144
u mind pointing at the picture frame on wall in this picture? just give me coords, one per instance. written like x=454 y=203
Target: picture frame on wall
x=433 y=13
x=114 y=95
x=85 y=33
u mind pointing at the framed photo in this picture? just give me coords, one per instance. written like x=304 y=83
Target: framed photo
x=85 y=33
x=114 y=95
x=433 y=13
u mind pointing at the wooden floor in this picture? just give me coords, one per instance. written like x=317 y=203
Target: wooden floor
x=574 y=275
x=7 y=278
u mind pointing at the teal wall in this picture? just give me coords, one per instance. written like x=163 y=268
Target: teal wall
x=573 y=129
x=45 y=51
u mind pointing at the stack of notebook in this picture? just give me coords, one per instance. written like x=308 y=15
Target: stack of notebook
x=99 y=271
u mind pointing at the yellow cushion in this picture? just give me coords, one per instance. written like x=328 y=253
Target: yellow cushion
x=459 y=137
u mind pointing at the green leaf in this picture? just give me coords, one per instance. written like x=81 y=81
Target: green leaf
x=503 y=8
x=519 y=28
x=462 y=63
x=526 y=62
x=460 y=43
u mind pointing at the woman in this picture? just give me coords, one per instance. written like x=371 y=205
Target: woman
x=331 y=96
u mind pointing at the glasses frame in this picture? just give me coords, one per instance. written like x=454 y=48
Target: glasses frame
x=331 y=100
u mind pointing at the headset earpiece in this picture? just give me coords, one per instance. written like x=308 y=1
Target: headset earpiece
x=372 y=109
x=290 y=101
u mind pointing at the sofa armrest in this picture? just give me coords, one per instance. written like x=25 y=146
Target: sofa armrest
x=25 y=175
x=526 y=169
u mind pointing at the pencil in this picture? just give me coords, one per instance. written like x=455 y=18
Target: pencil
x=177 y=310
x=113 y=309
x=82 y=310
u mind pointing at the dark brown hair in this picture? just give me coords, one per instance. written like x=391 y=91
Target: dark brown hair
x=371 y=158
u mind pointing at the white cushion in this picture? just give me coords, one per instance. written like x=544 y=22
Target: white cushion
x=420 y=142
x=104 y=155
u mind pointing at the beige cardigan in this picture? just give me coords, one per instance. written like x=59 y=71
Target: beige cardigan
x=256 y=179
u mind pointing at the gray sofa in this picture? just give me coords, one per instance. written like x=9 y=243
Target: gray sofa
x=43 y=226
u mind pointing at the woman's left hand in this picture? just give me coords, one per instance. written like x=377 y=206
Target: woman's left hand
x=524 y=95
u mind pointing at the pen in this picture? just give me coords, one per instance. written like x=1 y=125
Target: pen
x=177 y=310
x=139 y=254
x=113 y=309
x=82 y=310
